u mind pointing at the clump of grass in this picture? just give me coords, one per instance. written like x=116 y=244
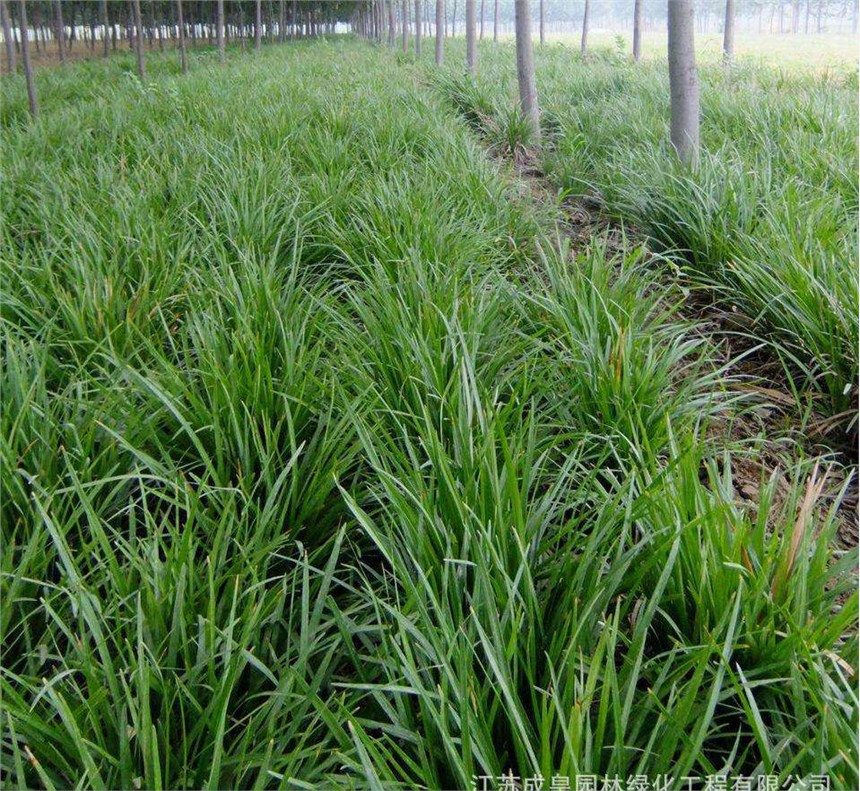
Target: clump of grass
x=627 y=370
x=767 y=222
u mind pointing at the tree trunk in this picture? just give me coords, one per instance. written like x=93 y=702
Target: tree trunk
x=542 y=9
x=638 y=8
x=729 y=32
x=683 y=81
x=392 y=25
x=93 y=18
x=138 y=40
x=258 y=26
x=454 y=20
x=440 y=30
x=25 y=60
x=150 y=28
x=496 y=23
x=471 y=38
x=526 y=66
x=11 y=59
x=418 y=28
x=106 y=26
x=795 y=16
x=482 y=20
x=405 y=10
x=183 y=58
x=60 y=31
x=16 y=31
x=584 y=43
x=37 y=27
x=219 y=24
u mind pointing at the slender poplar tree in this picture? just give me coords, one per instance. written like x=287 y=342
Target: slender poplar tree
x=526 y=66
x=683 y=81
x=440 y=31
x=150 y=27
x=60 y=31
x=106 y=26
x=471 y=38
x=32 y=101
x=418 y=28
x=258 y=26
x=183 y=57
x=542 y=11
x=138 y=40
x=585 y=22
x=729 y=32
x=219 y=24
x=11 y=59
x=638 y=13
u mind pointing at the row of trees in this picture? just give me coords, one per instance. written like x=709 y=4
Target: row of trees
x=754 y=16
x=107 y=23
x=89 y=21
x=222 y=20
x=783 y=16
x=377 y=19
x=38 y=22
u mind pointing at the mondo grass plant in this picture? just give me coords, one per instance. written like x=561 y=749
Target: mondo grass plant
x=767 y=221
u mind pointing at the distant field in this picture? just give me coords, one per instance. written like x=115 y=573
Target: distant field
x=831 y=50
x=812 y=51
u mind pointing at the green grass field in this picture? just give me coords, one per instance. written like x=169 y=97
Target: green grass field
x=327 y=462
x=800 y=53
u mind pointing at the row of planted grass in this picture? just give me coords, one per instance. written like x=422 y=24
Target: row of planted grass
x=767 y=222
x=322 y=464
